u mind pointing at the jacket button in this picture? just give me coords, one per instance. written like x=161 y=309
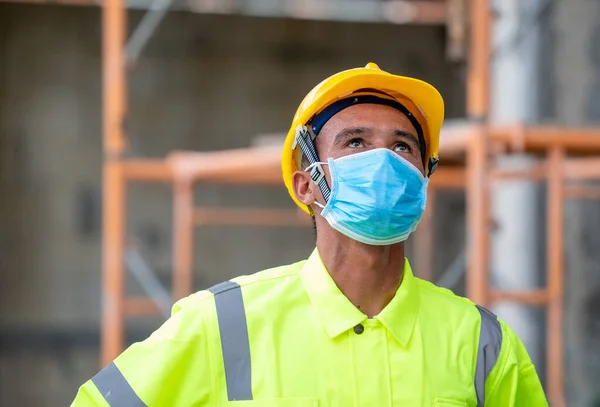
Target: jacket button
x=358 y=329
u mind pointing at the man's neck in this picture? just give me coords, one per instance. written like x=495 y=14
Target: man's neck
x=367 y=275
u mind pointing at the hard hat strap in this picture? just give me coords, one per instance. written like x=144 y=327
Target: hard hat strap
x=304 y=139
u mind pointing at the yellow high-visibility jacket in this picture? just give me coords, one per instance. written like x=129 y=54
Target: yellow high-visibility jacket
x=289 y=337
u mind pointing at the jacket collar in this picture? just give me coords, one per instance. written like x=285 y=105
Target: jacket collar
x=338 y=314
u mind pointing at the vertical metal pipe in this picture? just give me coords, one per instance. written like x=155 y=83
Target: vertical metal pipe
x=113 y=238
x=478 y=208
x=555 y=253
x=477 y=153
x=115 y=88
x=183 y=238
x=478 y=81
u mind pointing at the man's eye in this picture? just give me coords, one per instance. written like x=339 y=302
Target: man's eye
x=355 y=143
x=402 y=147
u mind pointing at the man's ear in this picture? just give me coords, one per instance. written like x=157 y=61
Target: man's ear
x=304 y=188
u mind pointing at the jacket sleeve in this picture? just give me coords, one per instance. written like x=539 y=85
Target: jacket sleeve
x=513 y=382
x=170 y=368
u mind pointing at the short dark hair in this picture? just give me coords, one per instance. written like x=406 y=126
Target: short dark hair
x=304 y=162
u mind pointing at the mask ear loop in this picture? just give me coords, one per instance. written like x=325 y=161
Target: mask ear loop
x=318 y=177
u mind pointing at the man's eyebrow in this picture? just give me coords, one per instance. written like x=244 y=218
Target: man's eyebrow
x=407 y=135
x=350 y=132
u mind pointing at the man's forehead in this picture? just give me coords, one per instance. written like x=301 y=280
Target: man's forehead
x=369 y=118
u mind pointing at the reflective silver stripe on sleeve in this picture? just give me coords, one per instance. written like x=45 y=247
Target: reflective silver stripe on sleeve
x=234 y=340
x=490 y=342
x=114 y=388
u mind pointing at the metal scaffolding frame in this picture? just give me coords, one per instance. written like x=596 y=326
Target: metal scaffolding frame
x=571 y=155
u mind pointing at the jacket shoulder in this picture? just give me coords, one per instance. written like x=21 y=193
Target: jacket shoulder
x=277 y=289
x=201 y=303
x=447 y=308
x=268 y=275
x=433 y=292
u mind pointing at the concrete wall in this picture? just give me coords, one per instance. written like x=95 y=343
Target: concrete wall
x=577 y=69
x=205 y=82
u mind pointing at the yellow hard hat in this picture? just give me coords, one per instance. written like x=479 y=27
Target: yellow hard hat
x=423 y=101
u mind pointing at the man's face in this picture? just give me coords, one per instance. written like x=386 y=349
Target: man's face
x=357 y=129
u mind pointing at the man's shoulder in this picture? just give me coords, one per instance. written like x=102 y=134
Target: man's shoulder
x=270 y=275
x=268 y=283
x=445 y=306
x=448 y=307
x=259 y=284
x=440 y=295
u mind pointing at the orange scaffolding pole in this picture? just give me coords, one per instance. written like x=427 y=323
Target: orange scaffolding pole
x=113 y=236
x=183 y=237
x=555 y=254
x=478 y=207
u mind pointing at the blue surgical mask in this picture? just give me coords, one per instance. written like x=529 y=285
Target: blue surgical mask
x=377 y=197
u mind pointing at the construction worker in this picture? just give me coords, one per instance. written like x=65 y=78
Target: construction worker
x=350 y=326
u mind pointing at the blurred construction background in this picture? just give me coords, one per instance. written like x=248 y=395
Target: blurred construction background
x=211 y=76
